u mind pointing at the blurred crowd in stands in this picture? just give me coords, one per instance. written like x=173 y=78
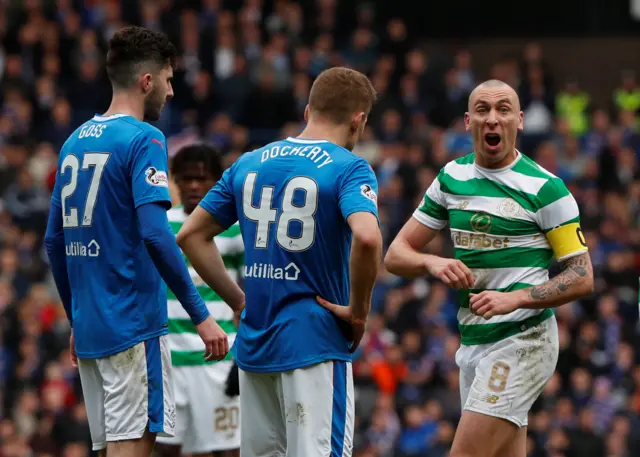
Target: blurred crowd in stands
x=242 y=80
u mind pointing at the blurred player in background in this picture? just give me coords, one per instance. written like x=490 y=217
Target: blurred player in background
x=110 y=248
x=509 y=218
x=207 y=420
x=307 y=208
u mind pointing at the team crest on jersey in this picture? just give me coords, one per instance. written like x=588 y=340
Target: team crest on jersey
x=156 y=177
x=368 y=192
x=509 y=207
x=481 y=222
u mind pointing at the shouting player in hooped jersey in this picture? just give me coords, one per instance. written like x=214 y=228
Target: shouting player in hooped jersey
x=509 y=218
x=207 y=420
x=308 y=215
x=110 y=248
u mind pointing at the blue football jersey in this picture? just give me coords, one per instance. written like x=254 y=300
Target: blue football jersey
x=107 y=168
x=292 y=199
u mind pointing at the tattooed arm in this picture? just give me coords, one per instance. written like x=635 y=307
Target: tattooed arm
x=574 y=281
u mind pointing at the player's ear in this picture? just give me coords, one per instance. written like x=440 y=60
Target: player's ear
x=467 y=123
x=358 y=121
x=306 y=113
x=146 y=82
x=521 y=123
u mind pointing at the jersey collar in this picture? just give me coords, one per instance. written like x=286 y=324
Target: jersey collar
x=100 y=118
x=305 y=140
x=498 y=170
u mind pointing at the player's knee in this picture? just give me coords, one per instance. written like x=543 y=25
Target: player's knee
x=471 y=452
x=229 y=453
x=166 y=450
x=462 y=453
x=141 y=447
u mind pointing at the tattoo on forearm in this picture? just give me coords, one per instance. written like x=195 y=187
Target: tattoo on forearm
x=574 y=270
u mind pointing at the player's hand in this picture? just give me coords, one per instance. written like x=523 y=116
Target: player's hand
x=72 y=351
x=452 y=272
x=345 y=313
x=214 y=338
x=491 y=303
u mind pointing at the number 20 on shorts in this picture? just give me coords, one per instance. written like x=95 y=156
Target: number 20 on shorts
x=227 y=419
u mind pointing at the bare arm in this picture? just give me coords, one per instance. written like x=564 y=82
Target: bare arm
x=405 y=259
x=196 y=241
x=366 y=249
x=574 y=281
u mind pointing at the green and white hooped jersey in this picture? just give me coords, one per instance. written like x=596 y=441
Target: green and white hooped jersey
x=506 y=226
x=186 y=346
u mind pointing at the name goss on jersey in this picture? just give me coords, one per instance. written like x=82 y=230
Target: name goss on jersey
x=314 y=153
x=92 y=131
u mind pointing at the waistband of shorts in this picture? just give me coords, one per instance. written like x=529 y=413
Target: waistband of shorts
x=491 y=333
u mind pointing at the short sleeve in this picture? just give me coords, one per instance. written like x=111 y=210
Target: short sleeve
x=559 y=219
x=148 y=164
x=220 y=201
x=433 y=210
x=358 y=190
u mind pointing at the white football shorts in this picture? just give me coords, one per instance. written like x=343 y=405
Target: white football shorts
x=303 y=412
x=126 y=392
x=504 y=379
x=207 y=419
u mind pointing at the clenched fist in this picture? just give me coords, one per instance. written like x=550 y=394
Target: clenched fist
x=452 y=272
x=491 y=303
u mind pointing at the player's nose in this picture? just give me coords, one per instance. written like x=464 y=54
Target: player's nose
x=492 y=119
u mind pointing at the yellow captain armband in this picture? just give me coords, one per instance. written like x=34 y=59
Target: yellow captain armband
x=567 y=241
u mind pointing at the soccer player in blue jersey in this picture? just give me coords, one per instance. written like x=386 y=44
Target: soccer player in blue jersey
x=307 y=208
x=110 y=248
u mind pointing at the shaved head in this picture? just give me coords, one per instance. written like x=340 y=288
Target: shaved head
x=494 y=118
x=494 y=84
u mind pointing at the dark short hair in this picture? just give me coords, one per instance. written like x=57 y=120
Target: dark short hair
x=198 y=153
x=134 y=46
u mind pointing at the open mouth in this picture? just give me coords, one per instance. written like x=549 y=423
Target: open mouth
x=492 y=139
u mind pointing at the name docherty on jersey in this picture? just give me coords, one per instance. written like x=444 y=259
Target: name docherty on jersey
x=314 y=153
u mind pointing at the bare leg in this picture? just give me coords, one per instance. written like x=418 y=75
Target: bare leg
x=141 y=447
x=518 y=447
x=167 y=450
x=479 y=435
x=230 y=453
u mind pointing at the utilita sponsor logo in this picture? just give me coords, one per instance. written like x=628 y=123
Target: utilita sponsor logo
x=79 y=249
x=268 y=271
